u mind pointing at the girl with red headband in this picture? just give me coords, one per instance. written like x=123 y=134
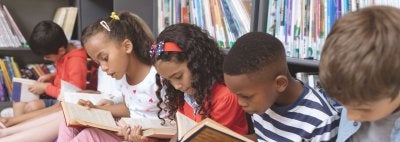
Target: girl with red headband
x=189 y=66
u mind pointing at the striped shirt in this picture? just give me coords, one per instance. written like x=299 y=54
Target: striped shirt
x=310 y=118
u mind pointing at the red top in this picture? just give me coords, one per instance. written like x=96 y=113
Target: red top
x=71 y=68
x=224 y=110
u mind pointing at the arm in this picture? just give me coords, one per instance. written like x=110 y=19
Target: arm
x=117 y=110
x=28 y=116
x=327 y=130
x=47 y=77
x=75 y=73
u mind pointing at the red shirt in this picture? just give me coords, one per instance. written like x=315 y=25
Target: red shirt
x=71 y=68
x=224 y=109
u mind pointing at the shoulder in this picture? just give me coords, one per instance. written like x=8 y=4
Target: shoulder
x=347 y=128
x=221 y=92
x=78 y=53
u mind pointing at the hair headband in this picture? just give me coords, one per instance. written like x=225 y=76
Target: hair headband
x=161 y=47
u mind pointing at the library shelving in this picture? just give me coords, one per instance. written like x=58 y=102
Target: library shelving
x=27 y=13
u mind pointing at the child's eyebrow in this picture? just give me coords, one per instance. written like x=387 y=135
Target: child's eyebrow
x=98 y=55
x=173 y=75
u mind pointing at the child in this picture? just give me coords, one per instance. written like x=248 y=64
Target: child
x=119 y=44
x=284 y=109
x=190 y=64
x=48 y=40
x=359 y=67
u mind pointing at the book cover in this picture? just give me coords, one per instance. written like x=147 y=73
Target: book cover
x=206 y=130
x=76 y=115
x=6 y=76
x=69 y=21
x=3 y=93
x=20 y=92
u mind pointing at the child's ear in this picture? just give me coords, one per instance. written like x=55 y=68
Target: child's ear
x=62 y=51
x=127 y=45
x=281 y=82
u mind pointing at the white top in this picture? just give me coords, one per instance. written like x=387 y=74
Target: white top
x=141 y=98
x=109 y=87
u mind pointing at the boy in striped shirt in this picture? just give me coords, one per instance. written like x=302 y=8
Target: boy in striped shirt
x=283 y=109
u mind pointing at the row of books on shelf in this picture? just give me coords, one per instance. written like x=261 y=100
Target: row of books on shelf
x=9 y=70
x=311 y=79
x=303 y=25
x=66 y=17
x=10 y=35
x=225 y=20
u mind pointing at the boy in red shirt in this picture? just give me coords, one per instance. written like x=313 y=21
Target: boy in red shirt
x=48 y=40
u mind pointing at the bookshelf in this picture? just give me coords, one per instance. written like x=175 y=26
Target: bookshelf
x=260 y=25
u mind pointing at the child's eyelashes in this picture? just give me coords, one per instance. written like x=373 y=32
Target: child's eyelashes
x=178 y=77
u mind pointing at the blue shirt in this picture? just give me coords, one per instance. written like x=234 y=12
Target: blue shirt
x=348 y=128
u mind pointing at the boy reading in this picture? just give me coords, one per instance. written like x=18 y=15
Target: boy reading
x=48 y=40
x=359 y=67
x=282 y=108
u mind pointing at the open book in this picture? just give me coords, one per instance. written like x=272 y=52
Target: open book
x=74 y=97
x=76 y=115
x=20 y=92
x=152 y=127
x=206 y=130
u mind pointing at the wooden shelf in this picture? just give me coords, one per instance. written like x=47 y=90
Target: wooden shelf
x=22 y=56
x=303 y=62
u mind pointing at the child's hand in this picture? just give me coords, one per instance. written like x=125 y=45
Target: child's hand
x=124 y=132
x=86 y=103
x=136 y=136
x=38 y=88
x=105 y=102
x=46 y=78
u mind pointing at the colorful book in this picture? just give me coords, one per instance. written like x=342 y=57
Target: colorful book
x=20 y=92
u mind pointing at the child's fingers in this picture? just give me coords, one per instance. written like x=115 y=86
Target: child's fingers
x=137 y=130
x=85 y=103
x=128 y=132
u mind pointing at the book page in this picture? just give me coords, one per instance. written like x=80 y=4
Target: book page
x=89 y=117
x=67 y=87
x=73 y=97
x=161 y=133
x=20 y=92
x=147 y=123
x=184 y=124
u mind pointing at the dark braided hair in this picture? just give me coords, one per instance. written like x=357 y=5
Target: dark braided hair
x=204 y=62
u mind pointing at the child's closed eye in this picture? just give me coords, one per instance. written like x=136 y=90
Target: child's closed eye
x=178 y=76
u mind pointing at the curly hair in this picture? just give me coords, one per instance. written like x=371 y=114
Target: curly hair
x=129 y=26
x=204 y=62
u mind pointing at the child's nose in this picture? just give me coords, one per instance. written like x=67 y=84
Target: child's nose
x=242 y=103
x=104 y=67
x=177 y=86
